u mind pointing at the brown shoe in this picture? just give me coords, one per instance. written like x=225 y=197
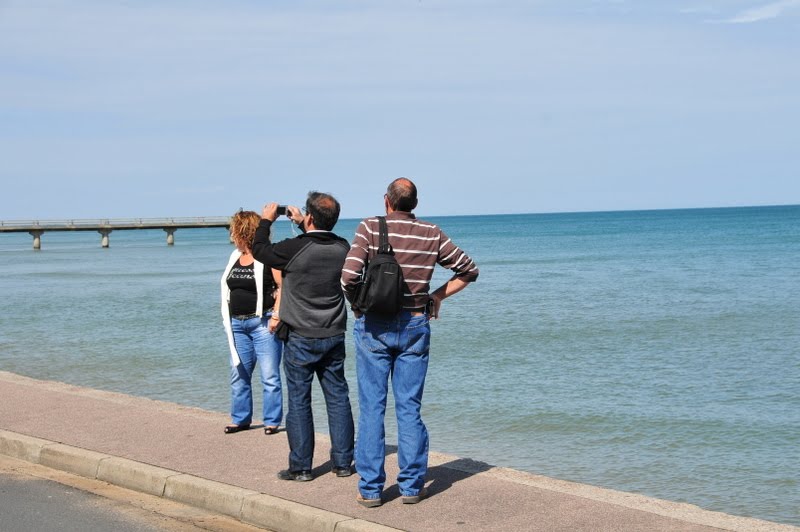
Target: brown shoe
x=368 y=503
x=414 y=499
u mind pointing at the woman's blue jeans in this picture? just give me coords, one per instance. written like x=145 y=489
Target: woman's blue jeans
x=254 y=343
x=396 y=349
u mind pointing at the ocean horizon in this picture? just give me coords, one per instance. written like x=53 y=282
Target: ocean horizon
x=649 y=351
x=439 y=216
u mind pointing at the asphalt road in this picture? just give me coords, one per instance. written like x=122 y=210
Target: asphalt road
x=35 y=498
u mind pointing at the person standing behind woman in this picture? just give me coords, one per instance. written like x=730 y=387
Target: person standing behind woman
x=250 y=302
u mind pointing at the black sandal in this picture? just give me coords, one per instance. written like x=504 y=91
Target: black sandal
x=232 y=429
x=270 y=430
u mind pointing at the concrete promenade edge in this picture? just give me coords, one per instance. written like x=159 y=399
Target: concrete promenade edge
x=181 y=453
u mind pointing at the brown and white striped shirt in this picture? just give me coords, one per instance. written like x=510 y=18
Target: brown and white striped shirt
x=418 y=246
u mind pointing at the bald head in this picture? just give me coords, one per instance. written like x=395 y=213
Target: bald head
x=402 y=195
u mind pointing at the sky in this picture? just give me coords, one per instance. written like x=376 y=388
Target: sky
x=139 y=108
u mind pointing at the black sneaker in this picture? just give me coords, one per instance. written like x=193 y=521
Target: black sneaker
x=342 y=471
x=301 y=476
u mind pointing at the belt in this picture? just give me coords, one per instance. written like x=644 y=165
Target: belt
x=416 y=311
x=243 y=317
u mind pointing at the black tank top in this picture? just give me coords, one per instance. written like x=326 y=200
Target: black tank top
x=242 y=284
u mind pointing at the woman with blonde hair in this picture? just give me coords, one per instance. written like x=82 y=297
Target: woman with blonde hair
x=250 y=301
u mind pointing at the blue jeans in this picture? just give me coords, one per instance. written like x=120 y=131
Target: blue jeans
x=254 y=343
x=302 y=359
x=395 y=348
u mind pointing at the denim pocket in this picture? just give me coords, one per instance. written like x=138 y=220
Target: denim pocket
x=300 y=351
x=419 y=337
x=372 y=336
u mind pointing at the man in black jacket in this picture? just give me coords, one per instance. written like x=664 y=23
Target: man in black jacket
x=313 y=321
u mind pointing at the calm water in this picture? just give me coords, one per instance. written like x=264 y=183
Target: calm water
x=656 y=352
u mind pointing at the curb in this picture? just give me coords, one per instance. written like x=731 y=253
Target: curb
x=248 y=506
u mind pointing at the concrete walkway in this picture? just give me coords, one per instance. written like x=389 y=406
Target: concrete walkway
x=181 y=453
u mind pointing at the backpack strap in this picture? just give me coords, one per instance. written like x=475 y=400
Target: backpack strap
x=384 y=247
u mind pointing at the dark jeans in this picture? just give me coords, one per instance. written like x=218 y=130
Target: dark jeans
x=302 y=359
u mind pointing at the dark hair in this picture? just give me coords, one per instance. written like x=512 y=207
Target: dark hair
x=324 y=210
x=402 y=195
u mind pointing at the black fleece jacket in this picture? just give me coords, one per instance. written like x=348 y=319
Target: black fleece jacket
x=312 y=301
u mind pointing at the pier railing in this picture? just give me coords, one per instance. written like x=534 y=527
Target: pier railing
x=105 y=226
x=113 y=223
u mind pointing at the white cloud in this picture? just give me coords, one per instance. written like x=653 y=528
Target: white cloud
x=766 y=12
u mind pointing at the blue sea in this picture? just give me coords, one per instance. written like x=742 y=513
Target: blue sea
x=655 y=352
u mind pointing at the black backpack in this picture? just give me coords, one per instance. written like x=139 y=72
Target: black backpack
x=381 y=288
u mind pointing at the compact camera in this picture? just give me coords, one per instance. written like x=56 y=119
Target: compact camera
x=281 y=210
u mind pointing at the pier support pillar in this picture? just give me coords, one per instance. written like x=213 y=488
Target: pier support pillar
x=170 y=236
x=37 y=238
x=104 y=240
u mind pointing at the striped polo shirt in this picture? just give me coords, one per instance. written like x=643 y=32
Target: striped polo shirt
x=418 y=246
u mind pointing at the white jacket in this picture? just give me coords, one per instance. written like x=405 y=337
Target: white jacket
x=258 y=273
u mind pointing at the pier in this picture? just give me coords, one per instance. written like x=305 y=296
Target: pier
x=105 y=226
